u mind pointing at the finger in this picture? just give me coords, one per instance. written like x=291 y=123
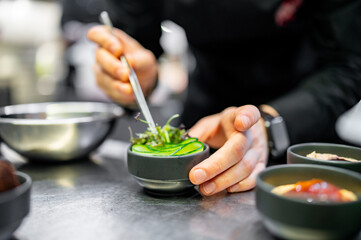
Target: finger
x=102 y=36
x=129 y=43
x=205 y=128
x=141 y=59
x=112 y=65
x=246 y=117
x=233 y=175
x=116 y=90
x=109 y=84
x=137 y=56
x=227 y=156
x=227 y=121
x=249 y=182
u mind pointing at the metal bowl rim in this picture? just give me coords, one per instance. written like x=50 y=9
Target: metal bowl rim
x=116 y=111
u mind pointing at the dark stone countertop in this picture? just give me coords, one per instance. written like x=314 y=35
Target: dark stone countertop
x=97 y=198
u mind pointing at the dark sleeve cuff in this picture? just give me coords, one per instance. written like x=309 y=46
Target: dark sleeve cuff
x=297 y=110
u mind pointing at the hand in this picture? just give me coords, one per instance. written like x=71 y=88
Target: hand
x=111 y=75
x=241 y=137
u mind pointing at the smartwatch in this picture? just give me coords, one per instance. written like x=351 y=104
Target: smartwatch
x=278 y=140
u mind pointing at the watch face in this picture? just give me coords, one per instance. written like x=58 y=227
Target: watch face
x=279 y=136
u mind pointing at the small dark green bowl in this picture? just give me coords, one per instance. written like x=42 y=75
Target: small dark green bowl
x=164 y=174
x=297 y=154
x=292 y=218
x=14 y=206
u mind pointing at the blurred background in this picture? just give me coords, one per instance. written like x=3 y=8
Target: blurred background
x=46 y=56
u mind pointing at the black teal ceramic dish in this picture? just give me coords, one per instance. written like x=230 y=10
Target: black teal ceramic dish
x=292 y=218
x=297 y=154
x=164 y=174
x=14 y=206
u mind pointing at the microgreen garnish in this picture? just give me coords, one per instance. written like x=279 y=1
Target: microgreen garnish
x=165 y=135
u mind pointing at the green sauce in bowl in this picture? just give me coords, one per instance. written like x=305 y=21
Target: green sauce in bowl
x=187 y=146
x=166 y=141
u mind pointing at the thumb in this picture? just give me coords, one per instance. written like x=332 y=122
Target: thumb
x=246 y=117
x=205 y=128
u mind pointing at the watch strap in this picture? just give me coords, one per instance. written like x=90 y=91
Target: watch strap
x=278 y=140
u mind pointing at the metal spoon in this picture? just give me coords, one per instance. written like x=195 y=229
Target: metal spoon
x=139 y=96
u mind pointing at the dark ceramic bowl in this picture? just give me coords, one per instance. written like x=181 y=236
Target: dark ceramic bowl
x=164 y=174
x=297 y=154
x=291 y=218
x=14 y=206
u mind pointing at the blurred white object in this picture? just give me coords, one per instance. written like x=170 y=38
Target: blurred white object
x=173 y=40
x=30 y=41
x=173 y=64
x=348 y=125
x=82 y=55
x=25 y=22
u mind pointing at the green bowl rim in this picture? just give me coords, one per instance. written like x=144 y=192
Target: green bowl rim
x=290 y=151
x=267 y=187
x=116 y=112
x=206 y=148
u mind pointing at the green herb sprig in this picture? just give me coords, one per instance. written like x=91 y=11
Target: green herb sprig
x=165 y=135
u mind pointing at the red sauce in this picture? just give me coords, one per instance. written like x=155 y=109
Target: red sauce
x=316 y=190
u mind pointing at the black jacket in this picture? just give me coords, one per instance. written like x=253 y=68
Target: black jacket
x=309 y=70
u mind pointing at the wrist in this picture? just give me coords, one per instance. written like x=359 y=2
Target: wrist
x=269 y=110
x=277 y=135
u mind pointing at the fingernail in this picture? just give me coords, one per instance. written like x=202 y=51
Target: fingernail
x=245 y=121
x=209 y=187
x=199 y=176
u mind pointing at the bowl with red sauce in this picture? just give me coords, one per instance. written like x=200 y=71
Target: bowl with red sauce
x=329 y=154
x=303 y=201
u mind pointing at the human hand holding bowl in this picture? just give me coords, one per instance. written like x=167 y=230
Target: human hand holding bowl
x=160 y=162
x=240 y=135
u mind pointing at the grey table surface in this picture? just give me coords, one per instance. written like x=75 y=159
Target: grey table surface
x=97 y=198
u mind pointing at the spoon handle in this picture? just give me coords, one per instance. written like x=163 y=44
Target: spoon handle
x=139 y=96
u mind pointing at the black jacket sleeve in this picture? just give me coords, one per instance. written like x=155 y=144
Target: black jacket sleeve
x=141 y=19
x=312 y=109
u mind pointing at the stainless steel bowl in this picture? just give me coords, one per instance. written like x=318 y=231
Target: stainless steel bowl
x=57 y=131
